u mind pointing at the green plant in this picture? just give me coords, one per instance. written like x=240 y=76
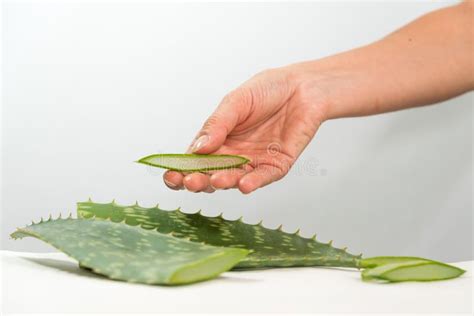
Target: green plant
x=270 y=247
x=128 y=253
x=150 y=245
x=193 y=162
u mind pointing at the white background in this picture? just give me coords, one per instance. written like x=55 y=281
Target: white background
x=89 y=87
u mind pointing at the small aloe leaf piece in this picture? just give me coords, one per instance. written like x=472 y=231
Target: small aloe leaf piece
x=270 y=247
x=383 y=260
x=400 y=269
x=193 y=162
x=128 y=253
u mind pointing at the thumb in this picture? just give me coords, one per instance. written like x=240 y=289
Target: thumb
x=224 y=119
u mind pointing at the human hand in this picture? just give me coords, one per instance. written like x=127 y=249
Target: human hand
x=272 y=117
x=269 y=119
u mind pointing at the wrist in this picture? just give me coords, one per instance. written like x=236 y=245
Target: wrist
x=335 y=84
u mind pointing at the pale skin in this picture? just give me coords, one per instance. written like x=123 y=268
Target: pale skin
x=272 y=117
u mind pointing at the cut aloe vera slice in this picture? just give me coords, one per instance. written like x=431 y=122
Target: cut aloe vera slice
x=383 y=260
x=129 y=253
x=416 y=269
x=193 y=162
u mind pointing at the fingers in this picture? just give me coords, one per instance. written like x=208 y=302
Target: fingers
x=226 y=179
x=246 y=180
x=228 y=114
x=259 y=177
x=173 y=180
x=197 y=182
x=194 y=182
x=200 y=182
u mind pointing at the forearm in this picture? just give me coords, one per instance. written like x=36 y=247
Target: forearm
x=427 y=61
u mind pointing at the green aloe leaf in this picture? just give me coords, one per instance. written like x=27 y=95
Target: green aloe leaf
x=414 y=269
x=270 y=247
x=128 y=253
x=383 y=260
x=193 y=162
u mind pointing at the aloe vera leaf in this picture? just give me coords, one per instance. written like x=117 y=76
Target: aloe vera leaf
x=383 y=260
x=193 y=162
x=415 y=270
x=270 y=247
x=128 y=253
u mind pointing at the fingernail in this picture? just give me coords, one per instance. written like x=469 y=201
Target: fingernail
x=200 y=142
x=170 y=184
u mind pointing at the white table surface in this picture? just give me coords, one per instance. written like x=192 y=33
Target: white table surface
x=52 y=282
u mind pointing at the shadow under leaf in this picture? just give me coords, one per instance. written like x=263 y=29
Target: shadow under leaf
x=66 y=266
